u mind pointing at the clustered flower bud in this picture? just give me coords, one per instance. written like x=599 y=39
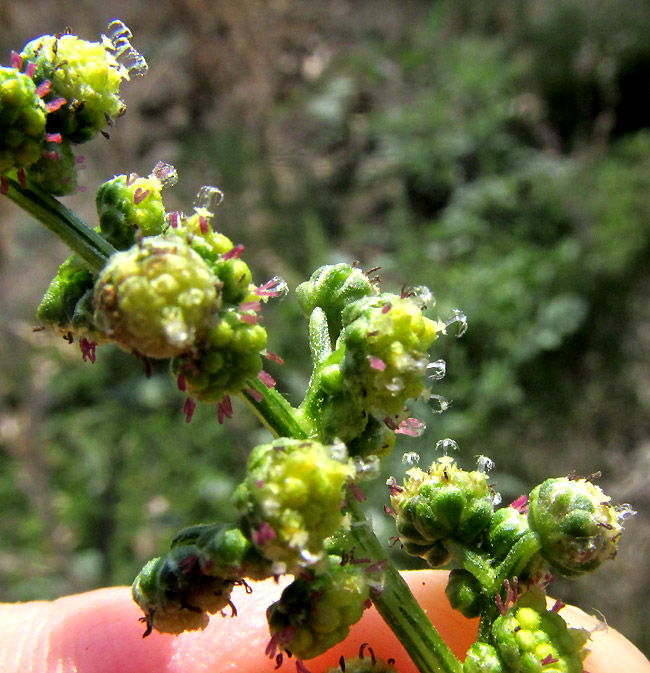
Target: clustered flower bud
x=315 y=613
x=444 y=503
x=22 y=121
x=291 y=500
x=576 y=525
x=528 y=637
x=156 y=297
x=61 y=90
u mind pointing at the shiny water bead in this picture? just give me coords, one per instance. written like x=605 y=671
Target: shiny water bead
x=315 y=614
x=87 y=75
x=176 y=595
x=443 y=503
x=386 y=339
x=128 y=205
x=292 y=498
x=532 y=639
x=156 y=298
x=577 y=526
x=22 y=121
x=229 y=355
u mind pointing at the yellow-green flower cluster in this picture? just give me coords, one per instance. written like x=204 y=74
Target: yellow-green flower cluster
x=156 y=297
x=291 y=500
x=22 y=121
x=530 y=638
x=315 y=614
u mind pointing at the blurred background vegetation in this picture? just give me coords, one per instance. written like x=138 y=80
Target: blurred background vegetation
x=496 y=151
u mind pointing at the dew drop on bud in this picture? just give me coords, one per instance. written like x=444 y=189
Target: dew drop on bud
x=624 y=511
x=461 y=319
x=443 y=404
x=484 y=464
x=166 y=174
x=445 y=445
x=367 y=468
x=208 y=197
x=437 y=369
x=410 y=458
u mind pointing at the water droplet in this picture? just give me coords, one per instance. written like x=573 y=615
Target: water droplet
x=460 y=318
x=437 y=369
x=446 y=445
x=423 y=295
x=166 y=174
x=410 y=458
x=339 y=452
x=208 y=197
x=484 y=464
x=443 y=404
x=367 y=468
x=496 y=498
x=624 y=511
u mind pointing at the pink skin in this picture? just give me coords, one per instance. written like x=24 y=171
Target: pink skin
x=99 y=632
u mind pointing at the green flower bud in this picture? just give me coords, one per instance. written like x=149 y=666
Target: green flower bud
x=464 y=593
x=176 y=595
x=314 y=615
x=576 y=525
x=377 y=439
x=22 y=121
x=530 y=638
x=386 y=339
x=483 y=658
x=56 y=171
x=333 y=288
x=156 y=298
x=227 y=357
x=87 y=75
x=506 y=528
x=129 y=204
x=443 y=503
x=225 y=551
x=291 y=499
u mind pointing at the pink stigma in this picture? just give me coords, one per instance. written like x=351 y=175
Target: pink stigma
x=79 y=160
x=411 y=427
x=377 y=363
x=548 y=659
x=388 y=510
x=4 y=184
x=520 y=504
x=250 y=306
x=22 y=178
x=269 y=289
x=266 y=379
x=264 y=534
x=88 y=350
x=188 y=409
x=55 y=104
x=16 y=61
x=558 y=605
x=255 y=394
x=248 y=318
x=31 y=69
x=52 y=155
x=377 y=566
x=131 y=178
x=273 y=356
x=233 y=252
x=224 y=409
x=372 y=654
x=174 y=218
x=385 y=308
x=54 y=137
x=182 y=383
x=357 y=492
x=203 y=224
x=43 y=88
x=393 y=487
x=140 y=195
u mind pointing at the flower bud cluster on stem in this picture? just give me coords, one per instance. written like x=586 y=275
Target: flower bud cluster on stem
x=166 y=285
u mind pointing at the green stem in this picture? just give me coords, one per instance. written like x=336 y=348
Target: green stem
x=396 y=604
x=274 y=411
x=515 y=562
x=472 y=562
x=72 y=230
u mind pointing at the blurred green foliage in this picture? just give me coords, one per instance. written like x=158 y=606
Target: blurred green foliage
x=498 y=153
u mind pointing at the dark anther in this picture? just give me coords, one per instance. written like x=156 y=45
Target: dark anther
x=342 y=664
x=278 y=660
x=148 y=620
